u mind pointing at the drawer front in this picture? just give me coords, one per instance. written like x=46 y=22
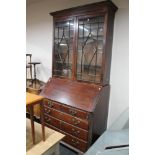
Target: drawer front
x=75 y=112
x=77 y=132
x=66 y=109
x=67 y=118
x=52 y=104
x=48 y=111
x=71 y=140
x=77 y=143
x=52 y=121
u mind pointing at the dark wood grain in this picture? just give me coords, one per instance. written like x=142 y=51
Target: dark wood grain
x=75 y=112
x=67 y=118
x=106 y=9
x=75 y=131
x=72 y=93
x=66 y=127
x=66 y=109
x=71 y=140
x=85 y=9
x=73 y=107
x=52 y=121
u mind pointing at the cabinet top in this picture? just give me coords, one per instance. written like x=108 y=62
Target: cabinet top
x=76 y=94
x=80 y=10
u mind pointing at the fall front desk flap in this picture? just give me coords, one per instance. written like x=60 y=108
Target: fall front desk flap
x=73 y=93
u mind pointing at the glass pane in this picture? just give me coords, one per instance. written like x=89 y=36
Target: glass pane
x=63 y=48
x=90 y=49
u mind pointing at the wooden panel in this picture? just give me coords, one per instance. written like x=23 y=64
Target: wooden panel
x=52 y=104
x=71 y=140
x=75 y=112
x=75 y=94
x=77 y=132
x=72 y=111
x=84 y=10
x=67 y=118
x=83 y=105
x=36 y=108
x=53 y=127
x=52 y=121
x=33 y=98
x=79 y=144
x=48 y=111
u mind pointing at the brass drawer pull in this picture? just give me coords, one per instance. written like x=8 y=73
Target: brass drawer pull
x=75 y=142
x=47 y=119
x=76 y=122
x=50 y=104
x=47 y=111
x=72 y=112
x=75 y=132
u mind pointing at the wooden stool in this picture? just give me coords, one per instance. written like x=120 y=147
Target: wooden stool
x=28 y=66
x=34 y=80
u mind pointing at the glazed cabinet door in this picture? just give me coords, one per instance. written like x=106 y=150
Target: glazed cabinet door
x=90 y=49
x=63 y=48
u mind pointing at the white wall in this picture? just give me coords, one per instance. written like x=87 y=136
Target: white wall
x=119 y=95
x=39 y=43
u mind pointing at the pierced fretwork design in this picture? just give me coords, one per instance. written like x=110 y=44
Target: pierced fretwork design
x=63 y=50
x=90 y=49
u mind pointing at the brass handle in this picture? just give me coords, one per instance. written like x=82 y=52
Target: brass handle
x=75 y=142
x=76 y=122
x=72 y=112
x=47 y=119
x=75 y=132
x=47 y=111
x=50 y=104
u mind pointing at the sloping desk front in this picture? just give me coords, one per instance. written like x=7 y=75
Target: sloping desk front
x=31 y=100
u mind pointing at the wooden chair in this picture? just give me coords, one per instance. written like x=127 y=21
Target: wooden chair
x=28 y=67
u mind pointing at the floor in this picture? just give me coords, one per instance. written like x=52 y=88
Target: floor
x=66 y=151
x=63 y=149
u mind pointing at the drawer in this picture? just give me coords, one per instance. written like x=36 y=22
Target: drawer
x=69 y=110
x=67 y=118
x=52 y=121
x=54 y=128
x=71 y=140
x=77 y=132
x=52 y=104
x=75 y=112
x=75 y=142
x=47 y=111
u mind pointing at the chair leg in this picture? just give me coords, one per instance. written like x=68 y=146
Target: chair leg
x=32 y=123
x=26 y=77
x=31 y=72
x=42 y=120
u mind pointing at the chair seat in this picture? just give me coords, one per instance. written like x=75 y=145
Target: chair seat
x=34 y=63
x=28 y=54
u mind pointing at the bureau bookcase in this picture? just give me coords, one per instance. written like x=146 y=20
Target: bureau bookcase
x=77 y=95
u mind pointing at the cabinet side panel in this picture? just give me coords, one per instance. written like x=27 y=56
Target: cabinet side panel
x=108 y=47
x=101 y=112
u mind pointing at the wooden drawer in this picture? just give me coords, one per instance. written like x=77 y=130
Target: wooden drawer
x=75 y=112
x=48 y=111
x=66 y=109
x=67 y=118
x=71 y=140
x=52 y=104
x=75 y=142
x=77 y=132
x=52 y=121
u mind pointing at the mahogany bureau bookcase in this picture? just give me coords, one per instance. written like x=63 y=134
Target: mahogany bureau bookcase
x=77 y=95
